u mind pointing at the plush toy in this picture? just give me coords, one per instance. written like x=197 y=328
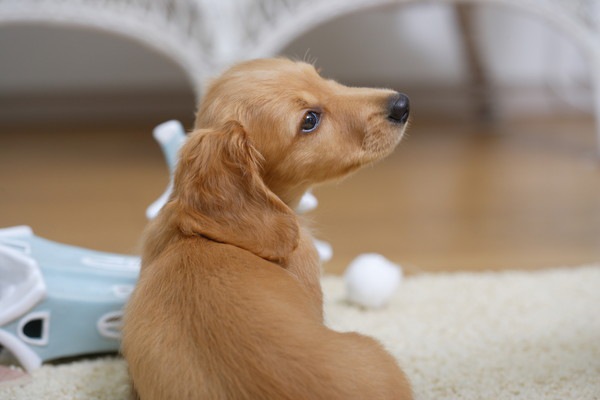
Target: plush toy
x=371 y=280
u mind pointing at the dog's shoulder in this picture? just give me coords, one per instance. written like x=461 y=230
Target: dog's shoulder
x=201 y=255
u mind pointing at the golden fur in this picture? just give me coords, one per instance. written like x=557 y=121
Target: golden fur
x=229 y=304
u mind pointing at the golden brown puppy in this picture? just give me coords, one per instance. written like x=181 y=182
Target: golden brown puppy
x=228 y=304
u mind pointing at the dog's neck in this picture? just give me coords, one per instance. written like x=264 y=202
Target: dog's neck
x=291 y=196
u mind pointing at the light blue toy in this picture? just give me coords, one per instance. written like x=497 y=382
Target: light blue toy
x=58 y=300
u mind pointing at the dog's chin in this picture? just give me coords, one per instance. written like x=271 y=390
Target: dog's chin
x=382 y=142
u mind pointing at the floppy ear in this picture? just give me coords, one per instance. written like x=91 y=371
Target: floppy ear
x=221 y=195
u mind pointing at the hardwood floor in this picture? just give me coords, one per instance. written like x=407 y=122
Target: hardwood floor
x=86 y=186
x=462 y=197
x=454 y=196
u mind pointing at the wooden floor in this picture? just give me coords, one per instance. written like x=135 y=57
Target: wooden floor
x=454 y=196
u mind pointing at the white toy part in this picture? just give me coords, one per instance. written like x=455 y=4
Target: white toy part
x=21 y=284
x=26 y=356
x=154 y=208
x=308 y=202
x=324 y=249
x=171 y=136
x=371 y=279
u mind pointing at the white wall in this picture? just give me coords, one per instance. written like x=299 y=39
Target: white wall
x=421 y=43
x=66 y=74
x=416 y=45
x=38 y=58
x=408 y=46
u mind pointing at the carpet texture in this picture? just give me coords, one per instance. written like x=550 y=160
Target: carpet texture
x=507 y=335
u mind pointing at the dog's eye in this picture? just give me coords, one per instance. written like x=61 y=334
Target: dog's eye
x=310 y=121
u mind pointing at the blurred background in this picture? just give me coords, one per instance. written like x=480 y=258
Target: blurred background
x=498 y=170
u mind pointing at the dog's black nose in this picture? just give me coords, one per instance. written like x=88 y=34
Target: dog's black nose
x=399 y=108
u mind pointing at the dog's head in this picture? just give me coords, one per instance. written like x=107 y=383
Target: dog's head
x=265 y=132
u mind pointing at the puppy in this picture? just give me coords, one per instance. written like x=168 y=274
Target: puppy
x=229 y=304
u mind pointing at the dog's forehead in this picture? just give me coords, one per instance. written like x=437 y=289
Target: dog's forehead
x=297 y=88
x=291 y=91
x=276 y=71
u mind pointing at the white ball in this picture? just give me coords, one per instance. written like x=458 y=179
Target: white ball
x=324 y=250
x=308 y=202
x=371 y=279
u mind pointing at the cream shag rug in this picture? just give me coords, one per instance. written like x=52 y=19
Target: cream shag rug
x=508 y=335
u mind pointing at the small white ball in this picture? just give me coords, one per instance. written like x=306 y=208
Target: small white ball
x=308 y=202
x=371 y=279
x=324 y=250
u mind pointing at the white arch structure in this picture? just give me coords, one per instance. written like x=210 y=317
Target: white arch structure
x=204 y=36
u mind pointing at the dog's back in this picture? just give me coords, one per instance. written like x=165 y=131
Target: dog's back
x=240 y=327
